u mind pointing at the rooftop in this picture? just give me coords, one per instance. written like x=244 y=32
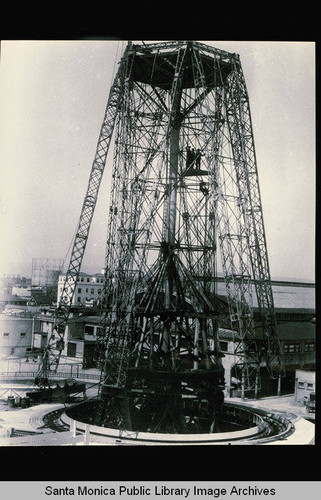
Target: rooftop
x=286 y=295
x=8 y=297
x=294 y=330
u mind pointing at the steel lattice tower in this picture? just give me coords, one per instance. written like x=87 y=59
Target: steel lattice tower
x=184 y=181
x=184 y=170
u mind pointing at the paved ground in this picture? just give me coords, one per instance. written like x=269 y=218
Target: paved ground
x=30 y=419
x=281 y=404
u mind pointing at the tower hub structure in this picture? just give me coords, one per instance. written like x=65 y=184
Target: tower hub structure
x=184 y=182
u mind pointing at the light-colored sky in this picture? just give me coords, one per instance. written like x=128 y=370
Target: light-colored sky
x=53 y=96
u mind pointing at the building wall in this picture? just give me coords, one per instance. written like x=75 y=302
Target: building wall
x=80 y=338
x=82 y=341
x=74 y=349
x=73 y=338
x=15 y=335
x=91 y=329
x=43 y=328
x=21 y=291
x=88 y=289
x=297 y=353
x=304 y=385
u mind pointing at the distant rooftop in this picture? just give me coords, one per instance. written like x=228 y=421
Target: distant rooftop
x=288 y=330
x=290 y=295
x=287 y=295
x=85 y=274
x=8 y=297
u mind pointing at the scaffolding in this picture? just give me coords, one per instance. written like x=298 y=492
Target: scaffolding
x=45 y=272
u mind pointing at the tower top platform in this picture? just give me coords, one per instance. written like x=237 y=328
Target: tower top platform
x=155 y=64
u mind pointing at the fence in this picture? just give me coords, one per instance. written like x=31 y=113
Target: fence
x=15 y=375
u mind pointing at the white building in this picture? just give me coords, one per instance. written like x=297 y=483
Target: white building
x=16 y=332
x=84 y=344
x=21 y=291
x=304 y=385
x=81 y=338
x=88 y=289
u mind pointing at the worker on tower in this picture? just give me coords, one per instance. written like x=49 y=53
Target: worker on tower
x=198 y=156
x=188 y=157
x=193 y=158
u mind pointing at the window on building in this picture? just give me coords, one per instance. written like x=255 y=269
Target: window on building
x=81 y=279
x=92 y=290
x=78 y=299
x=290 y=348
x=88 y=280
x=22 y=334
x=309 y=347
x=99 y=291
x=224 y=346
x=310 y=387
x=71 y=349
x=6 y=334
x=87 y=290
x=90 y=330
x=301 y=385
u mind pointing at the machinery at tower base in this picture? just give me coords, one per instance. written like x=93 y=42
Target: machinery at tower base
x=184 y=182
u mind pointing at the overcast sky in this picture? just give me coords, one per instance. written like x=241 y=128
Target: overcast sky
x=53 y=98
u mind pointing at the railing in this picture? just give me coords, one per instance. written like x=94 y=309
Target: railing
x=27 y=375
x=271 y=423
x=242 y=415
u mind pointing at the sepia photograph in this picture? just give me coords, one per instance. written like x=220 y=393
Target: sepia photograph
x=158 y=243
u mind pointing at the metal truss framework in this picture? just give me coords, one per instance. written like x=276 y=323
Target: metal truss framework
x=56 y=342
x=45 y=271
x=167 y=210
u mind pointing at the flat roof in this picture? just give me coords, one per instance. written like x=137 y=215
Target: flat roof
x=289 y=330
x=289 y=296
